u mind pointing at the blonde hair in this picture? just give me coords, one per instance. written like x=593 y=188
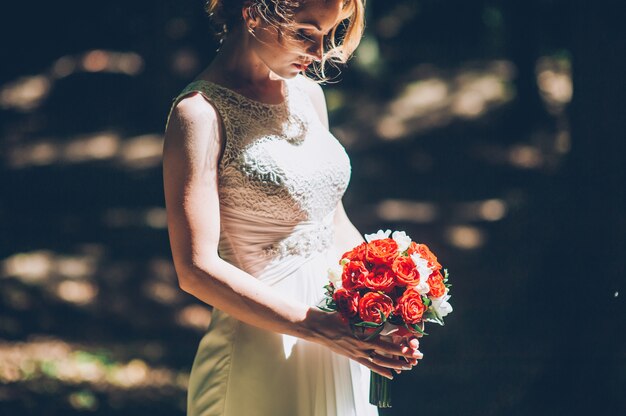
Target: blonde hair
x=341 y=42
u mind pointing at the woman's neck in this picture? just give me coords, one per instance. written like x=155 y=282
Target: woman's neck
x=238 y=67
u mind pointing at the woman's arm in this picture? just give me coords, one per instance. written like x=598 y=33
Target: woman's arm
x=190 y=158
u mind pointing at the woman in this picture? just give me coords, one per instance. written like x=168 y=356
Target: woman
x=253 y=186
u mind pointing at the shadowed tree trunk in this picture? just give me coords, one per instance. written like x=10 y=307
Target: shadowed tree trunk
x=587 y=265
x=524 y=30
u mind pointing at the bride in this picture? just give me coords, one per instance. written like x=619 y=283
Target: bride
x=253 y=185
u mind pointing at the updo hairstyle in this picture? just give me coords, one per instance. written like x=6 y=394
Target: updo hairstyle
x=339 y=44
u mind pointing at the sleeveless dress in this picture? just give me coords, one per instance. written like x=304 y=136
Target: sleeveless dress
x=281 y=176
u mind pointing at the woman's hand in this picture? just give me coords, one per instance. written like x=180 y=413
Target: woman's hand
x=379 y=355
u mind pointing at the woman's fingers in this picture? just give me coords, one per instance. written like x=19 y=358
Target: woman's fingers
x=385 y=372
x=390 y=348
x=389 y=362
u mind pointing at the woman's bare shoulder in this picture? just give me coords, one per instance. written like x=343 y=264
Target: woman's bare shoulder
x=193 y=108
x=193 y=126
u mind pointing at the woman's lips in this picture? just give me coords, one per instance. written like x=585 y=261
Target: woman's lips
x=301 y=67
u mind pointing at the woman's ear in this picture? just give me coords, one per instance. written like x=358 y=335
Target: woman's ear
x=250 y=16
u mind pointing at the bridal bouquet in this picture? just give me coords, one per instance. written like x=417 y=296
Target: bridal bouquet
x=386 y=286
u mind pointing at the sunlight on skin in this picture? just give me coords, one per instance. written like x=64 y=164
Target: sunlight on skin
x=71 y=364
x=28 y=93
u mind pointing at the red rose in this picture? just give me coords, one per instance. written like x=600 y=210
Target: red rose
x=373 y=302
x=403 y=332
x=353 y=275
x=380 y=278
x=437 y=287
x=410 y=306
x=424 y=252
x=406 y=272
x=347 y=302
x=382 y=251
x=357 y=253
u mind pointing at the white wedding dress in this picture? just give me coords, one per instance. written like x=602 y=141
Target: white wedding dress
x=281 y=177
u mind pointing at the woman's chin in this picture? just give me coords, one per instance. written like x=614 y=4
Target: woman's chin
x=290 y=72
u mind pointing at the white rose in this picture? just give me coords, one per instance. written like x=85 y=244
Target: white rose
x=402 y=239
x=334 y=275
x=379 y=235
x=421 y=264
x=441 y=305
x=422 y=287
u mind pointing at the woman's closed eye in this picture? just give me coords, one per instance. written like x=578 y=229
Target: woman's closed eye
x=302 y=35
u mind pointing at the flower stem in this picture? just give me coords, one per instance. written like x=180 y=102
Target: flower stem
x=380 y=393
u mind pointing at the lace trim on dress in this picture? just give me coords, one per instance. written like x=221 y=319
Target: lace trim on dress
x=302 y=244
x=278 y=162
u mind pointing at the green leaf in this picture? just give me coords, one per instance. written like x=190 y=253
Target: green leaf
x=383 y=318
x=432 y=316
x=417 y=328
x=374 y=334
x=367 y=324
x=325 y=309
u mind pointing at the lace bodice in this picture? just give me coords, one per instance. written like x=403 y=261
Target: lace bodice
x=280 y=164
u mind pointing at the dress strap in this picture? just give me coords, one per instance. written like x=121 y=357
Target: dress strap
x=213 y=96
x=208 y=90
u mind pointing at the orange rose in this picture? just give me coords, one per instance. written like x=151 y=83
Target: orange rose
x=405 y=271
x=403 y=332
x=437 y=287
x=357 y=253
x=380 y=278
x=373 y=302
x=353 y=275
x=347 y=302
x=382 y=251
x=410 y=306
x=424 y=251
